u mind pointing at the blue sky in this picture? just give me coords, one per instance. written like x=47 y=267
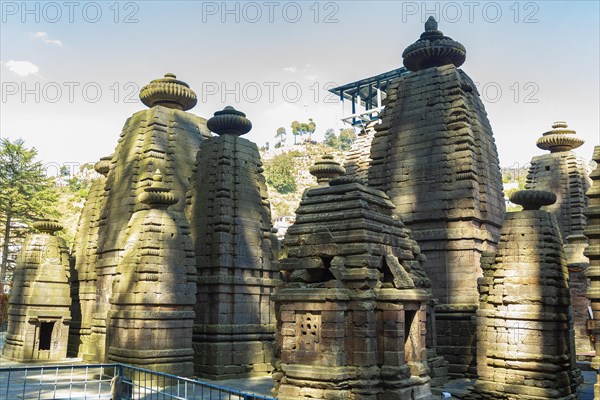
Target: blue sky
x=70 y=71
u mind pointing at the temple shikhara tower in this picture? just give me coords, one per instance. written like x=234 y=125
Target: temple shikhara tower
x=525 y=344
x=434 y=155
x=235 y=250
x=84 y=278
x=163 y=137
x=39 y=315
x=565 y=174
x=592 y=231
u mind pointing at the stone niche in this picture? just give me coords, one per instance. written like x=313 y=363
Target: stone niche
x=39 y=308
x=434 y=156
x=525 y=347
x=352 y=311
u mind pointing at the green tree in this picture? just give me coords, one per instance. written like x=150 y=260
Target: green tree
x=280 y=173
x=331 y=139
x=26 y=195
x=346 y=138
x=303 y=128
x=280 y=137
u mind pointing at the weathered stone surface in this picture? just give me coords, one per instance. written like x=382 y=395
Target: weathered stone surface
x=352 y=312
x=151 y=306
x=236 y=256
x=565 y=174
x=592 y=231
x=434 y=156
x=525 y=343
x=83 y=275
x=358 y=157
x=163 y=137
x=39 y=306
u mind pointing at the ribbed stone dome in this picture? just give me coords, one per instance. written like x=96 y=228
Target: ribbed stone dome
x=326 y=169
x=103 y=166
x=47 y=225
x=433 y=49
x=168 y=92
x=533 y=199
x=559 y=139
x=229 y=121
x=157 y=194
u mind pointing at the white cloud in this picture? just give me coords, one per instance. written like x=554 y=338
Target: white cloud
x=311 y=77
x=22 y=68
x=291 y=68
x=43 y=36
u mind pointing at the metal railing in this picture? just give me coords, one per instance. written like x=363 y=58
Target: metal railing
x=108 y=381
x=56 y=382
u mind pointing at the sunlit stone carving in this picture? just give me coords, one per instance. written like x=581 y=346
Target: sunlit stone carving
x=163 y=137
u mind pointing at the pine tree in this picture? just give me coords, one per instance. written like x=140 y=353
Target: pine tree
x=280 y=173
x=346 y=138
x=26 y=195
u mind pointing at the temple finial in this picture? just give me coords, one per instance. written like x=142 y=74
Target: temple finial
x=560 y=138
x=431 y=24
x=326 y=169
x=168 y=92
x=433 y=49
x=229 y=121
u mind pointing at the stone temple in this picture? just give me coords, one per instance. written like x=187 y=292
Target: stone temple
x=393 y=276
x=434 y=156
x=39 y=314
x=351 y=313
x=565 y=174
x=163 y=137
x=592 y=231
x=84 y=277
x=235 y=249
x=525 y=344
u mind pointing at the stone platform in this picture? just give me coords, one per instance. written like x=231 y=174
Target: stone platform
x=262 y=385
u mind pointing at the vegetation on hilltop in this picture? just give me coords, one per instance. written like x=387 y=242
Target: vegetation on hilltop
x=27 y=194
